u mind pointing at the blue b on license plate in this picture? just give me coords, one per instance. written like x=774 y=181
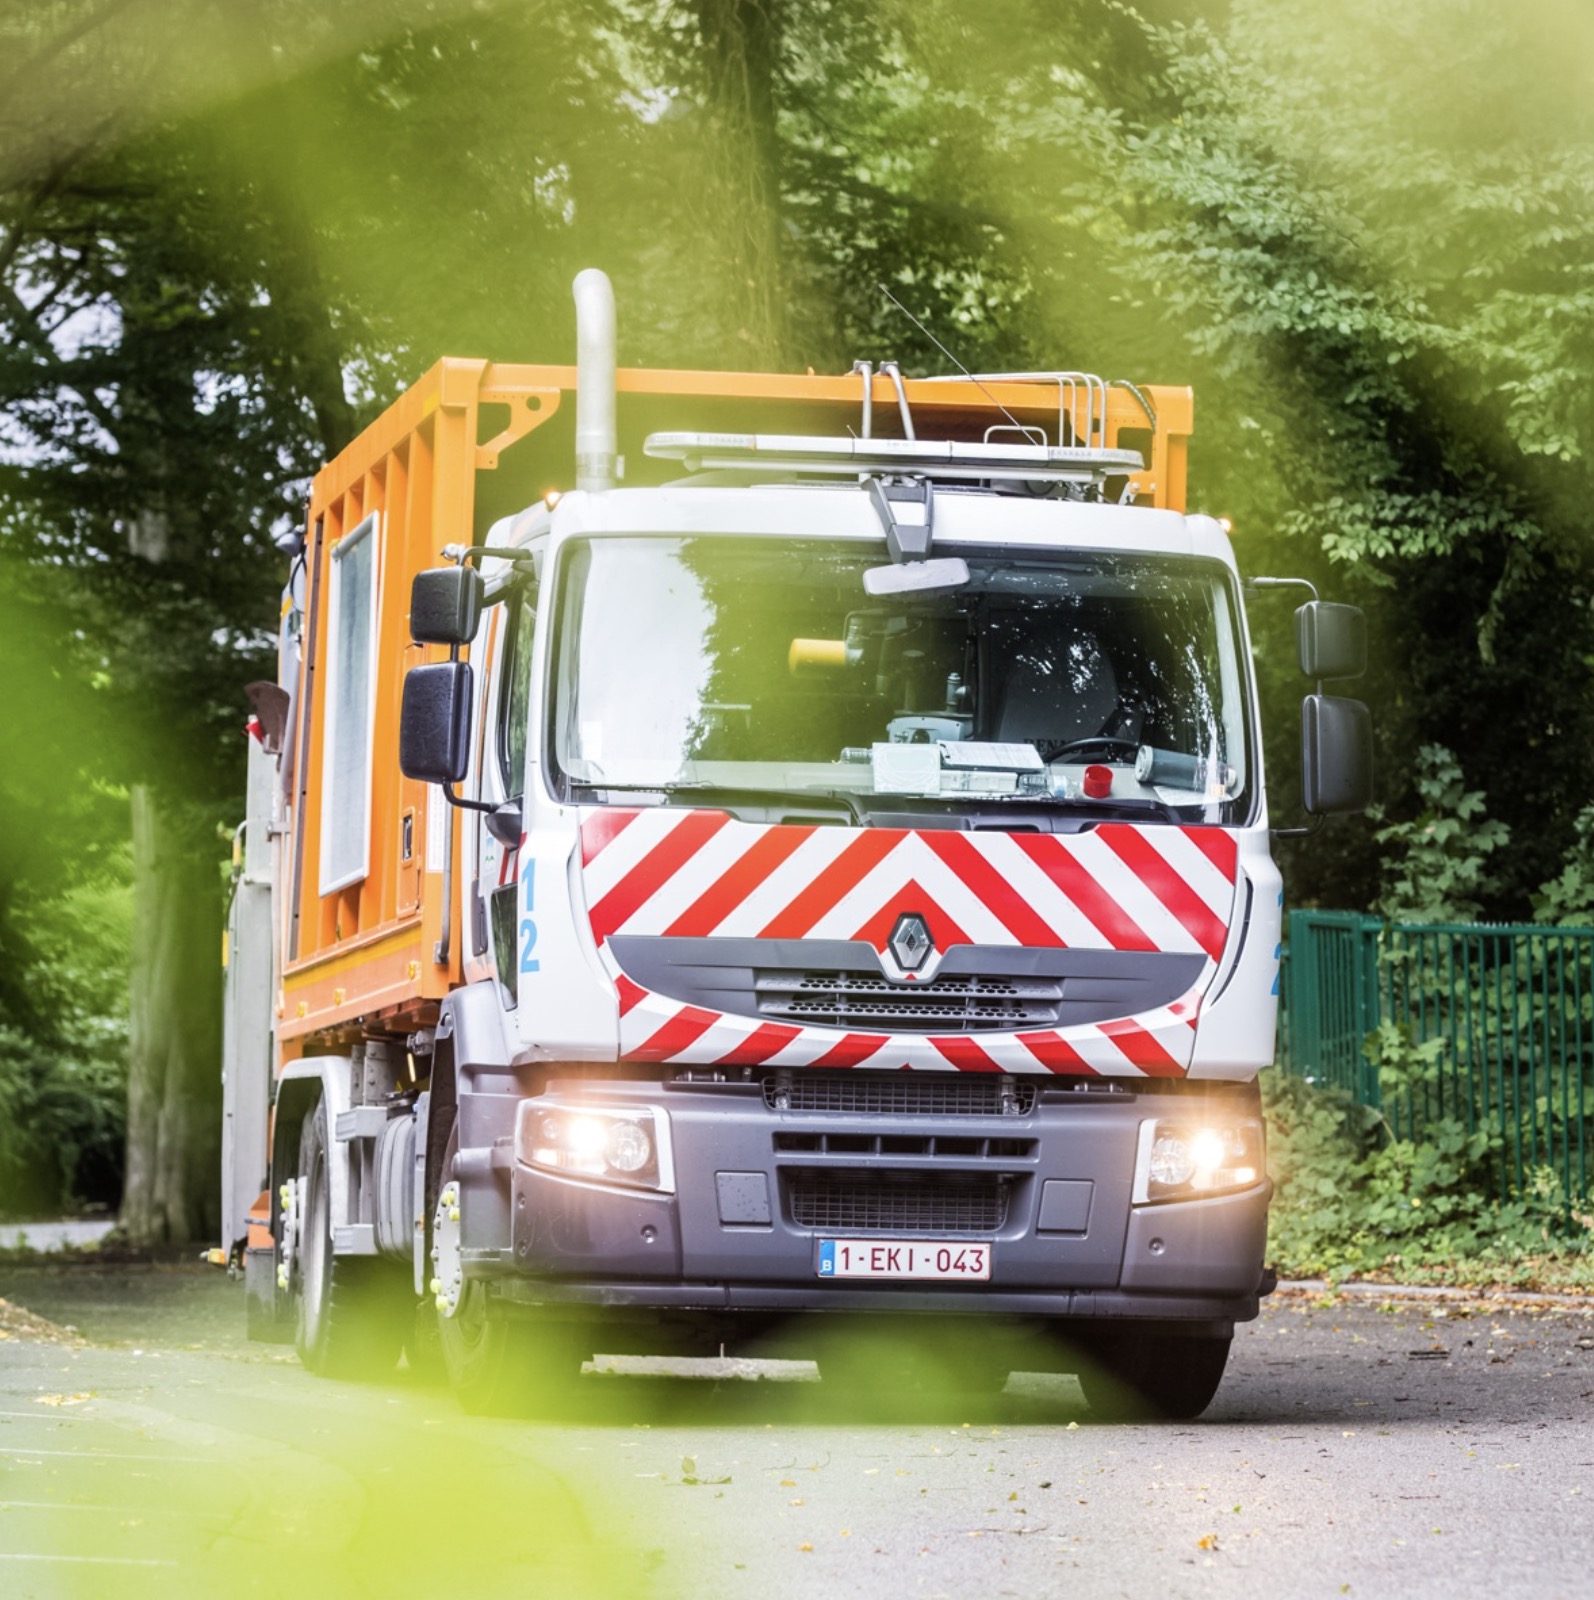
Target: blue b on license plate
x=902 y=1258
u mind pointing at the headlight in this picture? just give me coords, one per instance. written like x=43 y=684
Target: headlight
x=612 y=1144
x=1181 y=1158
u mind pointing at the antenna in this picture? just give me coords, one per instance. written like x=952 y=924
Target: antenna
x=950 y=357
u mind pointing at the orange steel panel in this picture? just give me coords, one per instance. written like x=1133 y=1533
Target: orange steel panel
x=416 y=467
x=373 y=977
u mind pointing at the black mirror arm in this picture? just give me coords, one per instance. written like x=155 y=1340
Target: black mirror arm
x=1279 y=583
x=461 y=553
x=1298 y=833
x=464 y=804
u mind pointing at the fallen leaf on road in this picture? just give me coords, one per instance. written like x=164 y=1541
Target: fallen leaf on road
x=1207 y=1541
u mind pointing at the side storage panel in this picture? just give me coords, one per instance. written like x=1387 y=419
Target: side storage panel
x=367 y=924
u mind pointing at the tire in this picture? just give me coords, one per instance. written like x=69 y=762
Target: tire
x=423 y=1346
x=1148 y=1374
x=351 y=1308
x=504 y=1360
x=508 y=1362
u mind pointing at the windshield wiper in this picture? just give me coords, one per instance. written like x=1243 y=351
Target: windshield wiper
x=1153 y=808
x=732 y=796
x=1075 y=805
x=859 y=809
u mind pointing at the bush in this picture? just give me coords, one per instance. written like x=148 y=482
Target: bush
x=63 y=1081
x=62 y=1122
x=1355 y=1199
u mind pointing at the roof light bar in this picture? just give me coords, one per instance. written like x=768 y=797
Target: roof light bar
x=782 y=453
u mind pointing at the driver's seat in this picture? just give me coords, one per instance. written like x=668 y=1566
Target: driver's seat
x=1060 y=686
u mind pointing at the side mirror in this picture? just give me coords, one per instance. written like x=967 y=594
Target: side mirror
x=1331 y=639
x=506 y=823
x=446 y=605
x=1336 y=755
x=434 y=722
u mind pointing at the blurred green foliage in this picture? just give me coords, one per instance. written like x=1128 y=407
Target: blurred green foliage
x=1355 y=1199
x=229 y=235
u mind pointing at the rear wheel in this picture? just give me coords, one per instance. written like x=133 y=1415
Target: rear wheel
x=351 y=1308
x=1147 y=1373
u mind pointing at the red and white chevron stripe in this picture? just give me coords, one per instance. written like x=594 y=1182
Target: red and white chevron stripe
x=665 y=871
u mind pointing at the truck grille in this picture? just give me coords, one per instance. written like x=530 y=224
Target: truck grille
x=893 y=1202
x=898 y=1094
x=931 y=1147
x=952 y=1004
x=841 y=983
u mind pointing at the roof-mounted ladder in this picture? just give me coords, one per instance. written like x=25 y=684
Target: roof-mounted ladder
x=786 y=455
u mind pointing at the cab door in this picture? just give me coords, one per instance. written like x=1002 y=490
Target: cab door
x=495 y=935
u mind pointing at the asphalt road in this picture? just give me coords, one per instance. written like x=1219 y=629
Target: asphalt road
x=1355 y=1448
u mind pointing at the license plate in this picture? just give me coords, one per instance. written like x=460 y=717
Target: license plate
x=900 y=1258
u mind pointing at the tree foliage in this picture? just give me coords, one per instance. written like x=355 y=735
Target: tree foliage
x=1438 y=866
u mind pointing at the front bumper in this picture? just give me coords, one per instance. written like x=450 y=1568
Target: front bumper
x=756 y=1186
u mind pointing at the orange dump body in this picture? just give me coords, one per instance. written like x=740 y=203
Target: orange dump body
x=379 y=948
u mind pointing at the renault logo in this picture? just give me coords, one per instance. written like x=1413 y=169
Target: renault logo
x=910 y=941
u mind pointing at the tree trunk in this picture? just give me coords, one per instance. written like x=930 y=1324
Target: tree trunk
x=171 y=1191
x=741 y=60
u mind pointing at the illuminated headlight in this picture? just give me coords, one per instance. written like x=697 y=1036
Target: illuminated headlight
x=611 y=1144
x=1179 y=1160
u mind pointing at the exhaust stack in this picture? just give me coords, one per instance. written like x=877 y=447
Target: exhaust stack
x=596 y=438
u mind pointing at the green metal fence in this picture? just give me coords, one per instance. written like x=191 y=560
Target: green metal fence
x=1507 y=1014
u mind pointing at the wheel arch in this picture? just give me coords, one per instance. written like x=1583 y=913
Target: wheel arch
x=303 y=1084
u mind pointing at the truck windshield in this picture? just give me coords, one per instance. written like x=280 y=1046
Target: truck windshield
x=1103 y=682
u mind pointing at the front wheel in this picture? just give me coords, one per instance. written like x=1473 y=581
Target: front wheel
x=503 y=1362
x=1147 y=1374
x=501 y=1359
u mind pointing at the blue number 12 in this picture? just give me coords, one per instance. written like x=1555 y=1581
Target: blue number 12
x=528 y=927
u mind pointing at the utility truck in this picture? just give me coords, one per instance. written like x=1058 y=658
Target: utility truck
x=804 y=888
